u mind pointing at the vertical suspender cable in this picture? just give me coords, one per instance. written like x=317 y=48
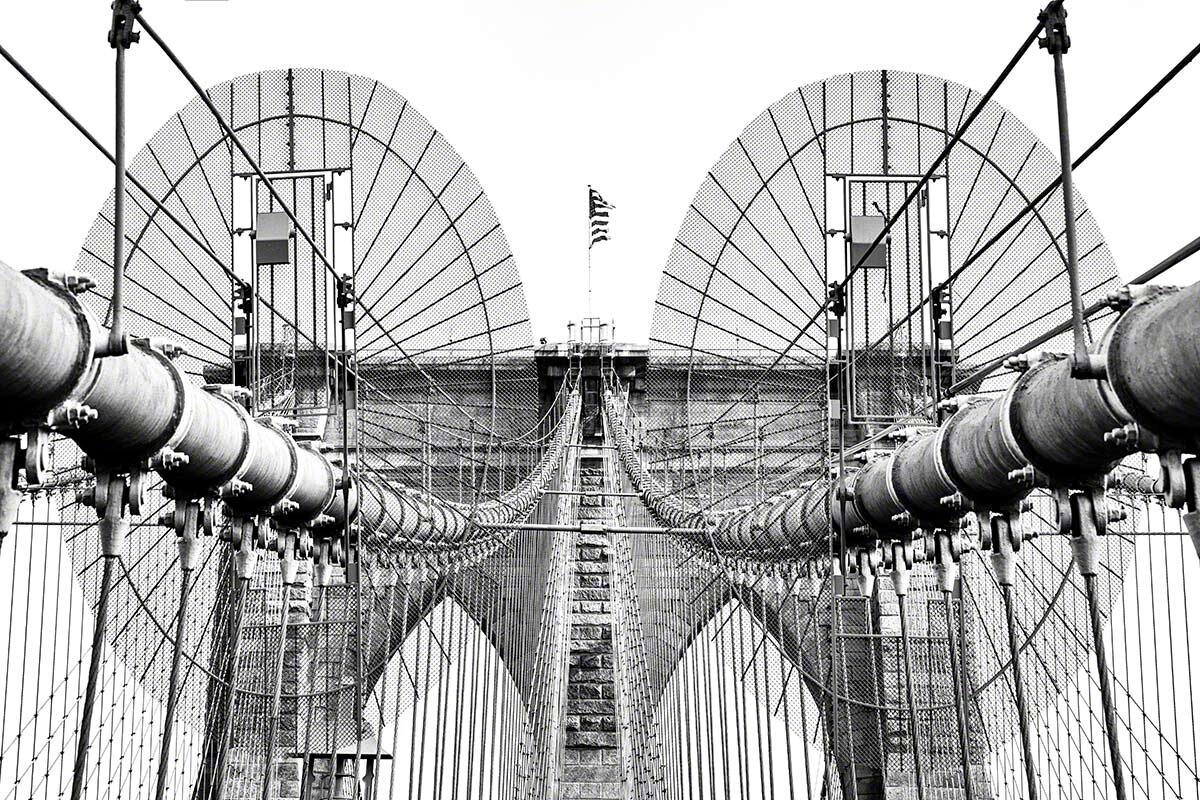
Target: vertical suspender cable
x=89 y=697
x=1085 y=542
x=960 y=699
x=318 y=614
x=276 y=690
x=1019 y=691
x=113 y=527
x=164 y=760
x=120 y=36
x=910 y=694
x=1105 y=680
x=239 y=614
x=1056 y=41
x=116 y=341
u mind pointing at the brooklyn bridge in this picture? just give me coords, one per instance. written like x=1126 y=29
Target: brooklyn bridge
x=900 y=500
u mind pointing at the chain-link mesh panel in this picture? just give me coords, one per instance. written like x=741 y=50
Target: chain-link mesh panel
x=429 y=383
x=759 y=377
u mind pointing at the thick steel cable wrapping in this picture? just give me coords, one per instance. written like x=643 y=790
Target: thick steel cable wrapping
x=666 y=592
x=787 y=526
x=413 y=518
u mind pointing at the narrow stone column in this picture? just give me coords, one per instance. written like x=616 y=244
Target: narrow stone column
x=591 y=758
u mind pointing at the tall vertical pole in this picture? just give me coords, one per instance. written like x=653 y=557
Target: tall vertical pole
x=901 y=552
x=120 y=36
x=246 y=560
x=114 y=523
x=1019 y=692
x=277 y=689
x=1106 y=699
x=589 y=254
x=89 y=698
x=1056 y=41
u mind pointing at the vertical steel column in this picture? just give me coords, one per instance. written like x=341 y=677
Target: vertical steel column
x=1106 y=699
x=120 y=36
x=114 y=524
x=322 y=579
x=948 y=568
x=89 y=697
x=1019 y=691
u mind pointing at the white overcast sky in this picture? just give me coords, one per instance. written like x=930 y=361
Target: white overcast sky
x=639 y=98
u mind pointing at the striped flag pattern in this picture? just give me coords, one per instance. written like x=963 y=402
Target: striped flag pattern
x=598 y=209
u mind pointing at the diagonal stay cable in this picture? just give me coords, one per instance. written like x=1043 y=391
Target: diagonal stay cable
x=158 y=204
x=1091 y=310
x=902 y=209
x=1034 y=204
x=237 y=142
x=75 y=123
x=1104 y=137
x=174 y=59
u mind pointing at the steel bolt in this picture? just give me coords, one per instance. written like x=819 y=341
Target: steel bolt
x=1019 y=363
x=1125 y=436
x=76 y=282
x=168 y=459
x=72 y=415
x=1023 y=476
x=235 y=488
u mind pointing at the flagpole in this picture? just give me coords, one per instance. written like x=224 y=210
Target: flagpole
x=589 y=252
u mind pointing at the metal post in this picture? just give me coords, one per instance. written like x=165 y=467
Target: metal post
x=1106 y=699
x=89 y=697
x=900 y=582
x=120 y=36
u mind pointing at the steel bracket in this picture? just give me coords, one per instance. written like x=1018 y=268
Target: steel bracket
x=122 y=34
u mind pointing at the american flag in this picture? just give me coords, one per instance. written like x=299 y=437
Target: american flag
x=598 y=209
